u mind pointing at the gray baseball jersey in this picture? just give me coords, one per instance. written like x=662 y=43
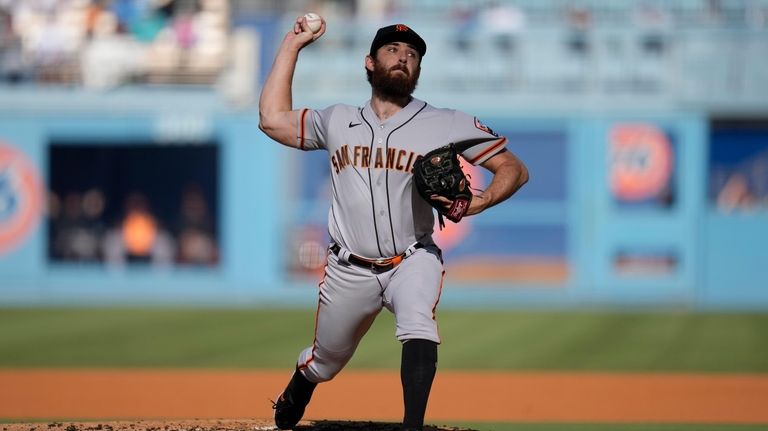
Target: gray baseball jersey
x=376 y=213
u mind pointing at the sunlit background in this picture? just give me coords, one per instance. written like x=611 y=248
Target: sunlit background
x=132 y=169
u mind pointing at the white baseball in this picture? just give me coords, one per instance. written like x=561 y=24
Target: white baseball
x=313 y=21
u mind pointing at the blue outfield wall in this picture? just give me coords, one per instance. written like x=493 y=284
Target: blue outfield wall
x=591 y=240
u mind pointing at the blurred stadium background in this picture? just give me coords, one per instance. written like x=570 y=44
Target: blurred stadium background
x=134 y=180
x=132 y=169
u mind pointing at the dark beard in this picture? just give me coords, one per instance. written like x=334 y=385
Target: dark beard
x=393 y=85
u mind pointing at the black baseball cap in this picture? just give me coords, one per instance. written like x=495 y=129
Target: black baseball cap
x=398 y=33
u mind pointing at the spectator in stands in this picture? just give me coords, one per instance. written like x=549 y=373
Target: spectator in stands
x=183 y=23
x=76 y=228
x=736 y=194
x=653 y=22
x=578 y=20
x=138 y=236
x=12 y=67
x=51 y=46
x=464 y=19
x=148 y=23
x=504 y=22
x=196 y=231
x=93 y=14
x=125 y=11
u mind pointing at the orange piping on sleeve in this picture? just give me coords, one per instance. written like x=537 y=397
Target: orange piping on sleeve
x=493 y=147
x=302 y=115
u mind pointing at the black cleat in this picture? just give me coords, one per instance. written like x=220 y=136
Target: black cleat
x=290 y=405
x=287 y=413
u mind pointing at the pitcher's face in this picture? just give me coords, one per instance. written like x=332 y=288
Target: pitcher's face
x=395 y=70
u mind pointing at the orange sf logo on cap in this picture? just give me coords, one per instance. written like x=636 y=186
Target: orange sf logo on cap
x=401 y=27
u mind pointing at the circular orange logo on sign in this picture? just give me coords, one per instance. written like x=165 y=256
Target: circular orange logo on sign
x=641 y=161
x=20 y=197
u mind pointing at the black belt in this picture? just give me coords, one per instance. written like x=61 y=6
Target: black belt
x=383 y=264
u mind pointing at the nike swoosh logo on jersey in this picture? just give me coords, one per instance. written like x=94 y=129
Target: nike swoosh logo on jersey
x=351 y=125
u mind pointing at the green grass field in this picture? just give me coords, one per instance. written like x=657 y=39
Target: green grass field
x=493 y=340
x=669 y=341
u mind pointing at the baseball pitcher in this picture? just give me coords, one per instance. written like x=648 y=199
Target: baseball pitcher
x=393 y=162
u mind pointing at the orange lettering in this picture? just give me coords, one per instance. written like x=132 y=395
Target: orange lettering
x=400 y=155
x=379 y=159
x=408 y=167
x=335 y=165
x=357 y=155
x=366 y=157
x=345 y=155
x=390 y=158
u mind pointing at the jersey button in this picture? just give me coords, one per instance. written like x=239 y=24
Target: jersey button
x=381 y=126
x=381 y=140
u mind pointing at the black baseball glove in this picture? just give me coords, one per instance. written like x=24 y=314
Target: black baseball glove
x=439 y=173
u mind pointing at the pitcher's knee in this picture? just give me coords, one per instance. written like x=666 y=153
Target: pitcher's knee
x=417 y=327
x=321 y=365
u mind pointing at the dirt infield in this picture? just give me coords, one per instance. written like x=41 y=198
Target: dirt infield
x=218 y=400
x=211 y=425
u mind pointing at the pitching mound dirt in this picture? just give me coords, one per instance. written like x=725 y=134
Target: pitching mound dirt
x=211 y=425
